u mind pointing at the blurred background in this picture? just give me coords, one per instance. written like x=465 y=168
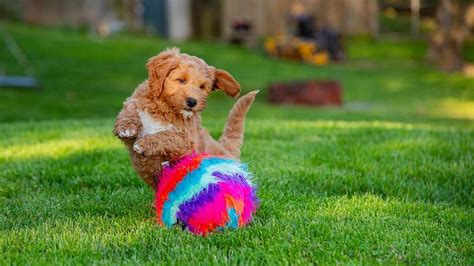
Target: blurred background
x=366 y=59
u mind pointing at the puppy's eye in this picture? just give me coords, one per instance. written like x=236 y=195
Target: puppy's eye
x=181 y=80
x=202 y=87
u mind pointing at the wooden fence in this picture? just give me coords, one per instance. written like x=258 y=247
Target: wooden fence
x=269 y=17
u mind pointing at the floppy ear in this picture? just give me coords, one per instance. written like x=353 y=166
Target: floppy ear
x=225 y=82
x=158 y=69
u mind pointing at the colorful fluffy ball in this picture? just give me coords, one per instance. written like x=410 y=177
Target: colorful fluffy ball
x=205 y=193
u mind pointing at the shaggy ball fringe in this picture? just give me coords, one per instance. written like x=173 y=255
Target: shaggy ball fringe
x=205 y=193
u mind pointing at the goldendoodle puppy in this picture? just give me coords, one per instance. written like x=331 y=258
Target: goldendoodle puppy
x=161 y=121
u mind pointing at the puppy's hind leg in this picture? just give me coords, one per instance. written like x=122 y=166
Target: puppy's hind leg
x=233 y=136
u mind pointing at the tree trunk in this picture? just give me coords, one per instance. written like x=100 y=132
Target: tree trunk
x=446 y=43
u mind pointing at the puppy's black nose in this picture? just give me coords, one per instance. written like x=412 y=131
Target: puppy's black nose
x=191 y=102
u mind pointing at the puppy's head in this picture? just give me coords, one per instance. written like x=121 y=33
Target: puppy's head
x=184 y=82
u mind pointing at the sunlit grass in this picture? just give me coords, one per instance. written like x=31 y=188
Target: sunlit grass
x=456 y=108
x=87 y=140
x=335 y=124
x=55 y=149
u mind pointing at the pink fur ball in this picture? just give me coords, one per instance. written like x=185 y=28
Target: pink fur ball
x=205 y=194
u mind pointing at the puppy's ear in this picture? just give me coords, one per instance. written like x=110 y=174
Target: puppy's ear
x=158 y=69
x=225 y=82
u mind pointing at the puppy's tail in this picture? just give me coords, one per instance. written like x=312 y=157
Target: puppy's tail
x=233 y=135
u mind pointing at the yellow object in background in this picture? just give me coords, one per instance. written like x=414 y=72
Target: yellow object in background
x=296 y=49
x=306 y=50
x=321 y=58
x=270 y=46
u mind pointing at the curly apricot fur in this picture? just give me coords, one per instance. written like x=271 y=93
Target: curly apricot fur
x=173 y=79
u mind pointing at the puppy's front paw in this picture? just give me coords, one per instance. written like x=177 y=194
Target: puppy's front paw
x=141 y=148
x=127 y=133
x=138 y=148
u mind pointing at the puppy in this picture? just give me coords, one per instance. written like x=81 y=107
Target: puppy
x=161 y=121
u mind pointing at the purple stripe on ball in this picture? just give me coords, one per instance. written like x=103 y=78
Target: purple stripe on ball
x=189 y=207
x=237 y=178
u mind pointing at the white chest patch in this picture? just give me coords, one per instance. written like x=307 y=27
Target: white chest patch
x=152 y=126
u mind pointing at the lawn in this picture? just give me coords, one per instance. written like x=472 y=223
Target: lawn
x=387 y=178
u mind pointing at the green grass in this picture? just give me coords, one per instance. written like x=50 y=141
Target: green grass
x=388 y=178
